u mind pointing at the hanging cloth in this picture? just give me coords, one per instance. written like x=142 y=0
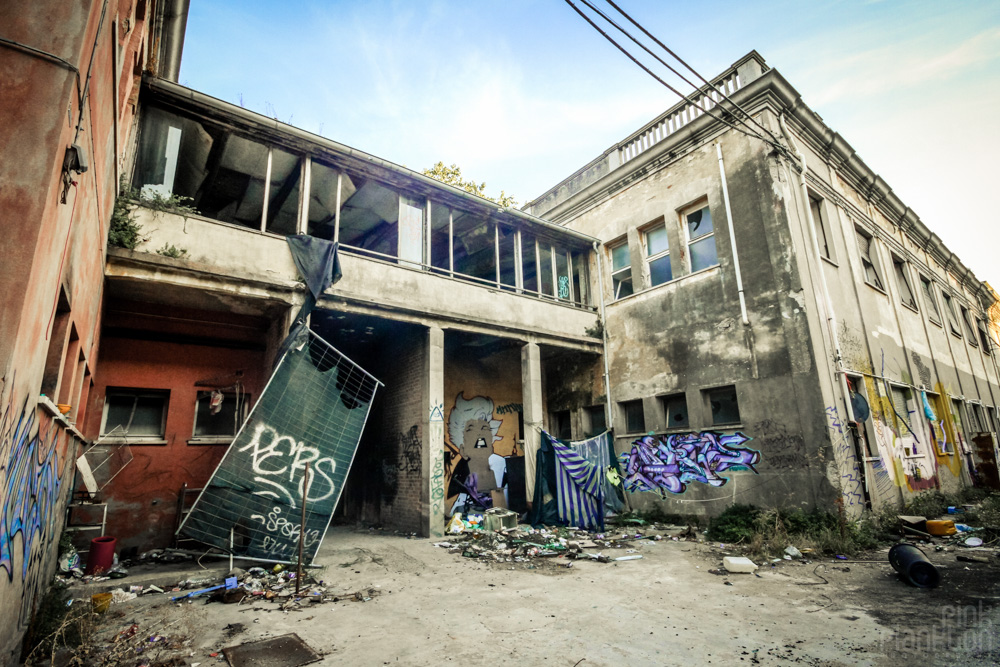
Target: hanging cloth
x=579 y=486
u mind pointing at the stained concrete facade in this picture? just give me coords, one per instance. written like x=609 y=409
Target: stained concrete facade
x=828 y=314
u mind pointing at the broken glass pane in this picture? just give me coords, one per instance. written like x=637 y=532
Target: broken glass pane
x=545 y=267
x=508 y=262
x=580 y=279
x=369 y=216
x=473 y=240
x=699 y=223
x=283 y=202
x=322 y=201
x=530 y=267
x=675 y=411
x=440 y=220
x=725 y=407
x=411 y=230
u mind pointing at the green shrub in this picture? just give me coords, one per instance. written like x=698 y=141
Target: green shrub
x=737 y=523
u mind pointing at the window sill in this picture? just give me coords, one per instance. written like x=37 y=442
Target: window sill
x=118 y=440
x=877 y=288
x=935 y=322
x=675 y=281
x=909 y=307
x=828 y=260
x=956 y=335
x=725 y=427
x=212 y=440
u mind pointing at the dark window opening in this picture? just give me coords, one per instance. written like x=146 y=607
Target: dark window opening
x=621 y=271
x=903 y=283
x=675 y=411
x=724 y=405
x=872 y=276
x=139 y=413
x=369 y=216
x=475 y=255
x=635 y=421
x=816 y=207
x=220 y=413
x=562 y=424
x=929 y=301
x=597 y=421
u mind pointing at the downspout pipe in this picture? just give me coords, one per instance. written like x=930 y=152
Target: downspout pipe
x=831 y=317
x=173 y=25
x=608 y=412
x=732 y=236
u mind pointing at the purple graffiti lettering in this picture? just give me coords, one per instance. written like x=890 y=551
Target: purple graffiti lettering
x=669 y=462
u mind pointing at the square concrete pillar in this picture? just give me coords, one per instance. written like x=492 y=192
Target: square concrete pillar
x=433 y=450
x=531 y=392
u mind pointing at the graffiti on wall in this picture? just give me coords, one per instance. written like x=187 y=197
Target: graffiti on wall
x=32 y=452
x=851 y=481
x=670 y=462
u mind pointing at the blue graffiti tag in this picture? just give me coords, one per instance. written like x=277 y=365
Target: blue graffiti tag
x=671 y=461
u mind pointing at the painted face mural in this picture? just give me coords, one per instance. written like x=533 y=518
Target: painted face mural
x=472 y=430
x=669 y=462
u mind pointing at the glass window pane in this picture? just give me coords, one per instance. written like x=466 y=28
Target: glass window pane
x=474 y=253
x=619 y=257
x=656 y=241
x=622 y=284
x=634 y=420
x=699 y=223
x=675 y=411
x=659 y=271
x=562 y=274
x=703 y=254
x=580 y=279
x=411 y=229
x=530 y=269
x=369 y=215
x=545 y=267
x=725 y=407
x=508 y=262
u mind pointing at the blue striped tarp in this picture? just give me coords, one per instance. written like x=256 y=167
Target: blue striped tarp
x=579 y=485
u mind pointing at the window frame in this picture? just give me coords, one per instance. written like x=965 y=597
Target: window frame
x=953 y=324
x=664 y=402
x=243 y=408
x=970 y=331
x=707 y=394
x=984 y=336
x=821 y=227
x=589 y=413
x=933 y=312
x=869 y=259
x=900 y=270
x=701 y=204
x=624 y=407
x=136 y=393
x=625 y=270
x=649 y=259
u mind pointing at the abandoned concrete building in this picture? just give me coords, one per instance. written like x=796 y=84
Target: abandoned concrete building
x=692 y=287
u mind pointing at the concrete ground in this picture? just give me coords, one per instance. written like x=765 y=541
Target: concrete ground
x=435 y=607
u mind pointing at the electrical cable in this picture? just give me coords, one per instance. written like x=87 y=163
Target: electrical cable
x=654 y=75
x=682 y=62
x=692 y=98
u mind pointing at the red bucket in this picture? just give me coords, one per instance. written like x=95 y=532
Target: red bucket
x=101 y=556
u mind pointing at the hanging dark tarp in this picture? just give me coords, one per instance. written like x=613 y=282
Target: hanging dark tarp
x=571 y=482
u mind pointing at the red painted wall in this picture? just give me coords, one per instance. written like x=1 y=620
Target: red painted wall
x=143 y=498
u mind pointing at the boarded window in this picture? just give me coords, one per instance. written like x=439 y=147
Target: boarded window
x=724 y=405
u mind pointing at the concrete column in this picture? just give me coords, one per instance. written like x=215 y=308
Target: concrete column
x=433 y=454
x=531 y=392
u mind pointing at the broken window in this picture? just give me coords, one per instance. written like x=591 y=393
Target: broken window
x=596 y=421
x=369 y=216
x=859 y=404
x=900 y=397
x=819 y=224
x=701 y=239
x=949 y=309
x=903 y=283
x=219 y=414
x=975 y=418
x=621 y=271
x=868 y=260
x=474 y=253
x=283 y=193
x=675 y=411
x=724 y=405
x=657 y=255
x=968 y=326
x=929 y=301
x=635 y=421
x=323 y=204
x=992 y=415
x=411 y=230
x=135 y=413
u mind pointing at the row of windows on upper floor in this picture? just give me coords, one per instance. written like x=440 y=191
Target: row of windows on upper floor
x=874 y=275
x=720 y=402
x=693 y=230
x=241 y=181
x=139 y=416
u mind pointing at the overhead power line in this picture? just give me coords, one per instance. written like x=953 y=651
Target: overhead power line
x=743 y=126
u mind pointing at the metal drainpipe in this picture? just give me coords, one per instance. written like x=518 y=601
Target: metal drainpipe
x=831 y=318
x=732 y=235
x=608 y=412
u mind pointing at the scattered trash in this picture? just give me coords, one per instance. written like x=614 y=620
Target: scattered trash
x=972 y=559
x=840 y=557
x=635 y=557
x=941 y=527
x=792 y=552
x=738 y=564
x=101 y=602
x=973 y=542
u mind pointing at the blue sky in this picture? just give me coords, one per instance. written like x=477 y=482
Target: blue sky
x=521 y=93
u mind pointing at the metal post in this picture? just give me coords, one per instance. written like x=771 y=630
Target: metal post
x=302 y=529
